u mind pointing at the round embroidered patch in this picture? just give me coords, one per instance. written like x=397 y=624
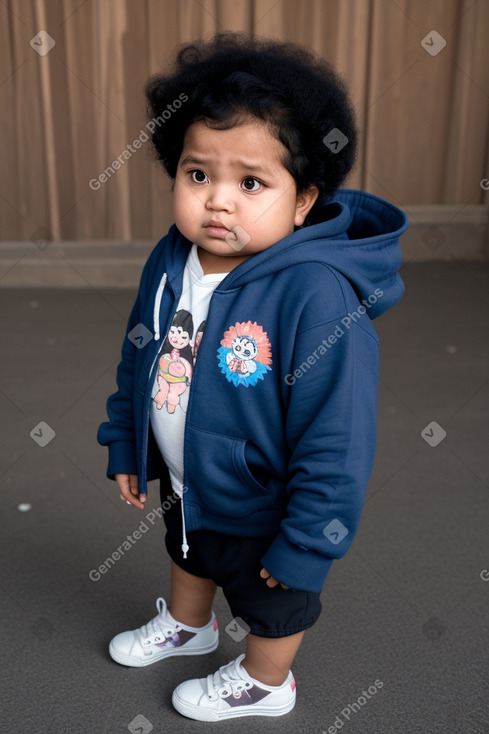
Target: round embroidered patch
x=245 y=354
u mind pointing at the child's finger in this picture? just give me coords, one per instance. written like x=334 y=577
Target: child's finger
x=271 y=581
x=133 y=486
x=127 y=483
x=132 y=500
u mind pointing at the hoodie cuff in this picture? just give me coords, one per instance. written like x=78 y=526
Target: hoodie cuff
x=122 y=459
x=301 y=569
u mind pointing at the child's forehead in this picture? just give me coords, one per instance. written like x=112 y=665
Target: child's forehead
x=248 y=145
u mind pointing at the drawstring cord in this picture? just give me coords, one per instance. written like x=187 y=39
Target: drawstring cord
x=185 y=546
x=156 y=310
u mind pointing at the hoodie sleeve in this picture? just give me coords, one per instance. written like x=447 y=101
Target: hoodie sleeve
x=331 y=432
x=118 y=433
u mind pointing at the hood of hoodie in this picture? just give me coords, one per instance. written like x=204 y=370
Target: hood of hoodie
x=357 y=234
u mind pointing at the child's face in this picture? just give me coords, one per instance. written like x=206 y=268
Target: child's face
x=233 y=196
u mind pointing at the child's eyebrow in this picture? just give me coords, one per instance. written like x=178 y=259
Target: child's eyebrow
x=194 y=160
x=238 y=163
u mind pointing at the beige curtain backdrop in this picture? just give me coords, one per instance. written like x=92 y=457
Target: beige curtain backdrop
x=65 y=116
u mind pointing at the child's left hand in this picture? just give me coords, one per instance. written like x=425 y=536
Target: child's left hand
x=271 y=582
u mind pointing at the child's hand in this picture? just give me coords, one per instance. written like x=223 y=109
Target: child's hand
x=271 y=582
x=128 y=487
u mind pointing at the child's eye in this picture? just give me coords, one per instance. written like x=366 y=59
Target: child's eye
x=250 y=184
x=199 y=176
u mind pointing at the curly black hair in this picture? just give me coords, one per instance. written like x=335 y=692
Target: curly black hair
x=232 y=77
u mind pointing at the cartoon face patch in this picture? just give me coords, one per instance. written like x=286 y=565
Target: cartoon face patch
x=245 y=354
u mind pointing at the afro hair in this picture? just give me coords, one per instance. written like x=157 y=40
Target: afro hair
x=231 y=77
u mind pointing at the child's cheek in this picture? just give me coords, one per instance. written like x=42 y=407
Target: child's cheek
x=183 y=213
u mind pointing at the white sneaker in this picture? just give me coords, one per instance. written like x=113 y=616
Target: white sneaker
x=161 y=638
x=230 y=693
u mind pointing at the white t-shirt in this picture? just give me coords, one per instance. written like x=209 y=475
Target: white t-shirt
x=175 y=365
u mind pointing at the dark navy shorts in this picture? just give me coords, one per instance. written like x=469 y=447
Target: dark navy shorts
x=233 y=563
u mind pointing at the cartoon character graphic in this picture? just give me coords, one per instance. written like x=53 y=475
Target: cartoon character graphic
x=245 y=354
x=175 y=366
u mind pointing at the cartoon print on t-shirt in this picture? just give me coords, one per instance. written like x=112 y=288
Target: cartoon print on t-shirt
x=175 y=364
x=245 y=354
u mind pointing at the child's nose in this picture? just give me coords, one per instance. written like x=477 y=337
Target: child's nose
x=219 y=198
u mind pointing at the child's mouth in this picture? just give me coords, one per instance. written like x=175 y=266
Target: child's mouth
x=216 y=229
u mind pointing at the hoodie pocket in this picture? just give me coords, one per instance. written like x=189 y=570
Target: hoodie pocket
x=217 y=472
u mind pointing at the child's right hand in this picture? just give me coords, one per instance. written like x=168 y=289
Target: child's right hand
x=128 y=487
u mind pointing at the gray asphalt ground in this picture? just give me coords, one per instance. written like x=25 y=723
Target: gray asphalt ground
x=405 y=614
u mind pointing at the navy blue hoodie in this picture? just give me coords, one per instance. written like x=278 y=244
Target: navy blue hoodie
x=281 y=422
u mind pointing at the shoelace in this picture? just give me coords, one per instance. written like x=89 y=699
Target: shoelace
x=157 y=628
x=226 y=681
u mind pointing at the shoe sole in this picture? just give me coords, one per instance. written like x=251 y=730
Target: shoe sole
x=202 y=714
x=132 y=662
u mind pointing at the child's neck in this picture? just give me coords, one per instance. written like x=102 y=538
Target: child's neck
x=211 y=263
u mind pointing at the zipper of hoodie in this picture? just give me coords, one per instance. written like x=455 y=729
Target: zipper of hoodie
x=185 y=547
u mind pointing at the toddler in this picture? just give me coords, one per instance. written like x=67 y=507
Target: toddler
x=254 y=401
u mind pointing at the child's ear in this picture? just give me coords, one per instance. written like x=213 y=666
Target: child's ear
x=304 y=203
